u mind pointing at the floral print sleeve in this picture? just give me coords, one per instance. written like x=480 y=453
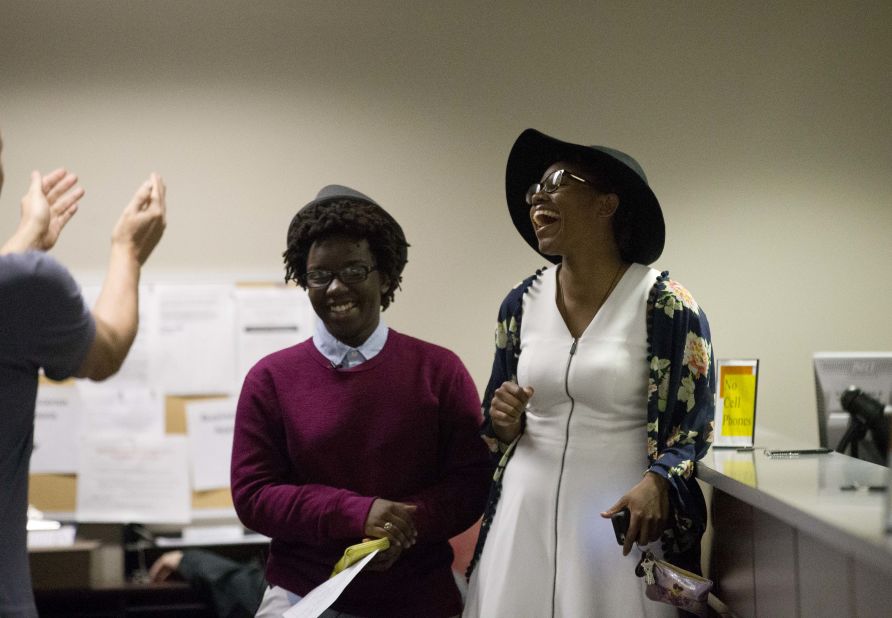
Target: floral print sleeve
x=507 y=353
x=680 y=406
x=504 y=369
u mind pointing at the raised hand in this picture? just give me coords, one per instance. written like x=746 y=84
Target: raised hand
x=47 y=207
x=142 y=223
x=62 y=194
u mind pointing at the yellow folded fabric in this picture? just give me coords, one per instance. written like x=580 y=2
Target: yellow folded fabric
x=357 y=552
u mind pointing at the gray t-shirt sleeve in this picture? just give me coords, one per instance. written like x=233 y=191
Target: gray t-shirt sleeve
x=45 y=322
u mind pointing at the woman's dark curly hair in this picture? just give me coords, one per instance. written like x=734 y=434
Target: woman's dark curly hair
x=356 y=219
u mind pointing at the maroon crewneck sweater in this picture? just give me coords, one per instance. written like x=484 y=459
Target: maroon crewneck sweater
x=315 y=445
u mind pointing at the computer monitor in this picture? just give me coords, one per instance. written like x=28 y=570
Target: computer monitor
x=837 y=371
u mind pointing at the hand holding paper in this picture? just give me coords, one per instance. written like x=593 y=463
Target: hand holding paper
x=393 y=520
x=320 y=598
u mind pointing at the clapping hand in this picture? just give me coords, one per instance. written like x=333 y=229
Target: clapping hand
x=142 y=223
x=48 y=205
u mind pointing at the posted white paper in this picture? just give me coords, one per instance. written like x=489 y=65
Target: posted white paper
x=209 y=425
x=322 y=596
x=120 y=408
x=60 y=537
x=56 y=420
x=269 y=319
x=136 y=368
x=213 y=535
x=133 y=480
x=196 y=348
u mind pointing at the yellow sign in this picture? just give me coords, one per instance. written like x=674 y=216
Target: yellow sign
x=738 y=393
x=735 y=406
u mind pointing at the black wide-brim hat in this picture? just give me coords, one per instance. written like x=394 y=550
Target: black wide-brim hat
x=533 y=152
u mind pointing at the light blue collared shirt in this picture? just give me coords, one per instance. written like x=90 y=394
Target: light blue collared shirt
x=343 y=356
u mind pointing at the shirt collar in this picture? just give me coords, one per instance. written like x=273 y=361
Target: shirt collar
x=340 y=354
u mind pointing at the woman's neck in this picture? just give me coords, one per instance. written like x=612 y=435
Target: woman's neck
x=587 y=281
x=581 y=292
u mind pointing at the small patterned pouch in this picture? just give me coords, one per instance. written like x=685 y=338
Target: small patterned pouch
x=667 y=583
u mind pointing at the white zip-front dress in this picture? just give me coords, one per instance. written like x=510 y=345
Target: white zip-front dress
x=549 y=552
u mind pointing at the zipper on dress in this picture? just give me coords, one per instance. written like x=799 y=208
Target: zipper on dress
x=557 y=497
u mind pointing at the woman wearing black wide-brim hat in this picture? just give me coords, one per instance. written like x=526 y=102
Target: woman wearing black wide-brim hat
x=601 y=396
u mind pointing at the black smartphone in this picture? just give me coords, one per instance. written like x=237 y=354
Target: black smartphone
x=621 y=525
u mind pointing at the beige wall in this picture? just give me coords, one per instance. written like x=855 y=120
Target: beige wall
x=765 y=132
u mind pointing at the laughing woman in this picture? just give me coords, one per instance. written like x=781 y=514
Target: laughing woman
x=358 y=432
x=600 y=398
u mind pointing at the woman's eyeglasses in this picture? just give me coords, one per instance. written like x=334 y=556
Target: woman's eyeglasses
x=551 y=183
x=352 y=274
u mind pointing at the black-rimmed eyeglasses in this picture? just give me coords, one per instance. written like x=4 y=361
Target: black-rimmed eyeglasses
x=551 y=183
x=352 y=274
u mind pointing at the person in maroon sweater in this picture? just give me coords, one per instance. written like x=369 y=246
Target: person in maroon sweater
x=360 y=431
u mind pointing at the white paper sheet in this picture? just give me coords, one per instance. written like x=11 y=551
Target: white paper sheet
x=322 y=596
x=209 y=425
x=57 y=415
x=213 y=535
x=120 y=408
x=195 y=349
x=133 y=480
x=136 y=368
x=269 y=319
x=61 y=537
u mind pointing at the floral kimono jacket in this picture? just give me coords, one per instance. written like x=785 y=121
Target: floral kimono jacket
x=680 y=408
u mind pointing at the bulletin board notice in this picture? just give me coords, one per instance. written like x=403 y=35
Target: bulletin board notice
x=153 y=443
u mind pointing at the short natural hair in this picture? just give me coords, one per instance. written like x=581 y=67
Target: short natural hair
x=353 y=218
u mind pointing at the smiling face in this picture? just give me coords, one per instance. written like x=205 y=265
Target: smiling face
x=574 y=216
x=350 y=312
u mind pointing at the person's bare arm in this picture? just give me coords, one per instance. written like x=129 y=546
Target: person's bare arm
x=165 y=566
x=116 y=311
